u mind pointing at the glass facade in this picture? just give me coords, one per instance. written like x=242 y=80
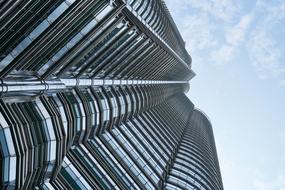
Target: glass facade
x=92 y=96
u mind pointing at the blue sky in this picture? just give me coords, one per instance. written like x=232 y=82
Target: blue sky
x=238 y=52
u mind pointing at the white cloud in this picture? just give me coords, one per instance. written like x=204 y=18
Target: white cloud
x=264 y=54
x=282 y=82
x=225 y=10
x=264 y=50
x=198 y=31
x=276 y=184
x=235 y=36
x=275 y=13
x=222 y=55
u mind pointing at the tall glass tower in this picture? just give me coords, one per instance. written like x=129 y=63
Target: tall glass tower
x=92 y=96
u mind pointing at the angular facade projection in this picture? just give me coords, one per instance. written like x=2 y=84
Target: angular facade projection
x=93 y=97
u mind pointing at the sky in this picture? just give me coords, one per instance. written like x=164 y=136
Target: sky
x=238 y=55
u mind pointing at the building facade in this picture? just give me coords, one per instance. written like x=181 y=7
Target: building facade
x=92 y=96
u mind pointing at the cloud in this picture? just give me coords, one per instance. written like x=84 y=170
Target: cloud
x=264 y=48
x=225 y=10
x=264 y=53
x=199 y=28
x=235 y=36
x=250 y=33
x=198 y=31
x=282 y=83
x=275 y=11
x=276 y=184
x=222 y=55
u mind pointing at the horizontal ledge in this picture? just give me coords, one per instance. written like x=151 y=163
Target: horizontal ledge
x=10 y=85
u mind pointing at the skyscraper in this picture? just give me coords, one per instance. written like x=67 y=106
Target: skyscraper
x=93 y=97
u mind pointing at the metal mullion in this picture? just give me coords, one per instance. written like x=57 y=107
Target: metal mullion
x=209 y=181
x=146 y=148
x=202 y=163
x=144 y=101
x=53 y=114
x=126 y=46
x=17 y=134
x=141 y=155
x=113 y=59
x=154 y=19
x=153 y=11
x=77 y=163
x=130 y=67
x=164 y=70
x=60 y=135
x=116 y=97
x=133 y=159
x=112 y=54
x=33 y=52
x=165 y=115
x=135 y=99
x=141 y=97
x=155 y=136
x=146 y=7
x=105 y=164
x=162 y=115
x=120 y=97
x=121 y=161
x=203 y=168
x=88 y=115
x=152 y=64
x=74 y=54
x=156 y=23
x=74 y=28
x=138 y=98
x=124 y=56
x=139 y=67
x=43 y=46
x=151 y=136
x=80 y=166
x=159 y=62
x=209 y=159
x=91 y=60
x=128 y=56
x=31 y=18
x=138 y=8
x=188 y=182
x=30 y=142
x=154 y=128
x=160 y=126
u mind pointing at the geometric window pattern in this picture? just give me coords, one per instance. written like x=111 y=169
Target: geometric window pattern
x=92 y=97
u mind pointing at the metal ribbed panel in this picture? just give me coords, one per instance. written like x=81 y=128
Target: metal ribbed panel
x=92 y=97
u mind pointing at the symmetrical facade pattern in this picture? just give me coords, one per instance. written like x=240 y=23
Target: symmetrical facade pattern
x=93 y=97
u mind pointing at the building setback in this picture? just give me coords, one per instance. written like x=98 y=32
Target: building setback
x=92 y=96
